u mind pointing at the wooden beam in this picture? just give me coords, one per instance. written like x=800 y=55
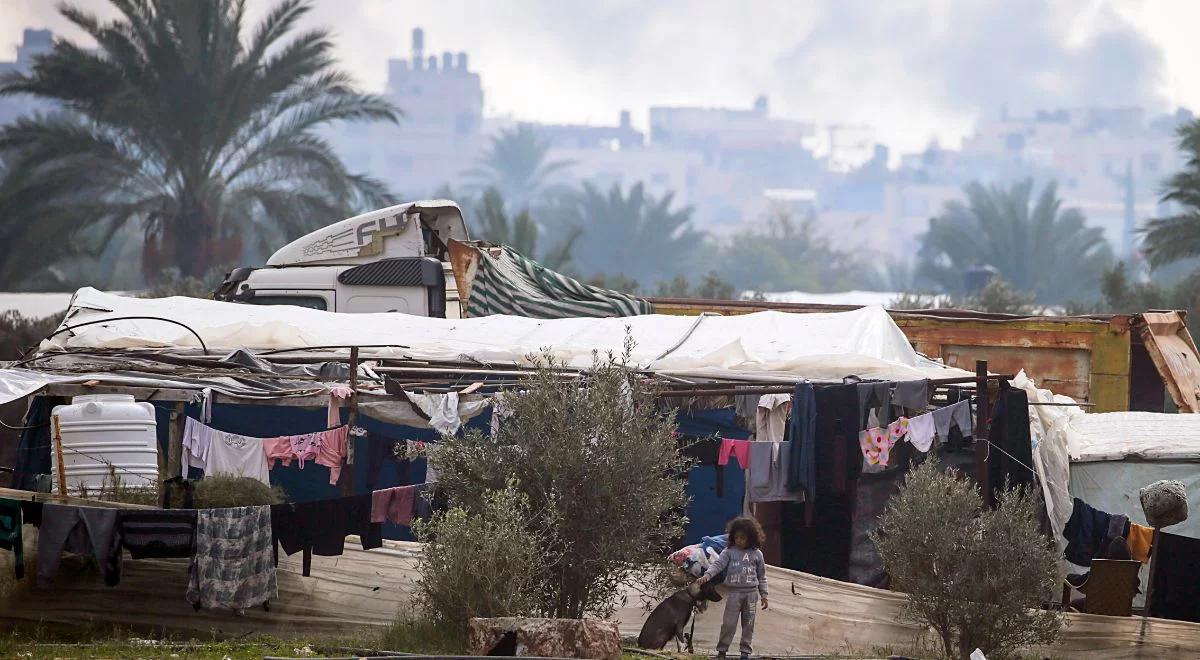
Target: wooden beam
x=347 y=476
x=54 y=498
x=981 y=432
x=175 y=443
x=58 y=455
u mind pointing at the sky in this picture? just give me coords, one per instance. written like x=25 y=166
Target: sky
x=914 y=71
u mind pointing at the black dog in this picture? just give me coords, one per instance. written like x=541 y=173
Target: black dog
x=668 y=620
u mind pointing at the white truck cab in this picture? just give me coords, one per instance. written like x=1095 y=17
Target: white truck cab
x=390 y=260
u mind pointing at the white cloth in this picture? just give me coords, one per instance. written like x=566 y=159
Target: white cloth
x=770 y=418
x=230 y=454
x=195 y=446
x=441 y=409
x=921 y=431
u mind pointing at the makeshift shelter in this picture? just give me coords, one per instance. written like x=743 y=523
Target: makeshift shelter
x=266 y=371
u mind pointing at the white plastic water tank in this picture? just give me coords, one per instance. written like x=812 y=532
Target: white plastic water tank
x=103 y=434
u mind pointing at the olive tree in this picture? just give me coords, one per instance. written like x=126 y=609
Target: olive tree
x=597 y=462
x=976 y=576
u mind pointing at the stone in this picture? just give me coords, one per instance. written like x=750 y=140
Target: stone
x=1164 y=503
x=546 y=638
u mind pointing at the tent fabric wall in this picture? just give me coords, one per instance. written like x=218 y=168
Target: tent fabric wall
x=707 y=513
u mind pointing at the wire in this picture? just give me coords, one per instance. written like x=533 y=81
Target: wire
x=110 y=465
x=1014 y=458
x=133 y=318
x=23 y=428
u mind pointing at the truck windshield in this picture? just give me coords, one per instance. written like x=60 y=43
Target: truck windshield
x=311 y=302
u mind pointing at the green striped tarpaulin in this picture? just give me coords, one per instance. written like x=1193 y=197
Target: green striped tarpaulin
x=516 y=286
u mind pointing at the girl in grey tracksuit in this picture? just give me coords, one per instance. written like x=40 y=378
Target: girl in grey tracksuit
x=745 y=582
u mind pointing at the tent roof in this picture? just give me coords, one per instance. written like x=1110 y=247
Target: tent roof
x=760 y=346
x=1141 y=435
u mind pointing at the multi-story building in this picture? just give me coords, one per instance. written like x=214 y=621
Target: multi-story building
x=33 y=43
x=439 y=136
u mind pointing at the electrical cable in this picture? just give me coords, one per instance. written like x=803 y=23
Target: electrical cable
x=185 y=326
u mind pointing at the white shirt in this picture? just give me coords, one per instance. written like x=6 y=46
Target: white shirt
x=236 y=455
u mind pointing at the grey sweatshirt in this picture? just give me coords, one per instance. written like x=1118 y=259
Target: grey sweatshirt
x=746 y=569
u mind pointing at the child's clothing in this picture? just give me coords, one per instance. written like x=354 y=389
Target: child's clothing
x=746 y=580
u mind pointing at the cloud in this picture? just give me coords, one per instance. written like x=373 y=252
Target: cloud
x=914 y=70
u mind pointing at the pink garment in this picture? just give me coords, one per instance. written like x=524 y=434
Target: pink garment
x=740 y=450
x=332 y=451
x=337 y=394
x=278 y=448
x=306 y=447
x=394 y=505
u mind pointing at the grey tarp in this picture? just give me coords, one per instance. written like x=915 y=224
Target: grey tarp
x=513 y=285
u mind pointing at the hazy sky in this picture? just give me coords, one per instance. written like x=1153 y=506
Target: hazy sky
x=914 y=70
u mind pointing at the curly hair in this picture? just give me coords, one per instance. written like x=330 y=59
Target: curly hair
x=748 y=526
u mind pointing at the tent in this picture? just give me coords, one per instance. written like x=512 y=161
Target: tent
x=765 y=345
x=1113 y=455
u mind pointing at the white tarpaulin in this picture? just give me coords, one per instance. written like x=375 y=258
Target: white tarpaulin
x=865 y=342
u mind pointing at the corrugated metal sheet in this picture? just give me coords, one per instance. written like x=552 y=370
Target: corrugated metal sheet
x=1174 y=353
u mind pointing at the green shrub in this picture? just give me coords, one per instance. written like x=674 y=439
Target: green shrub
x=479 y=563
x=977 y=577
x=600 y=467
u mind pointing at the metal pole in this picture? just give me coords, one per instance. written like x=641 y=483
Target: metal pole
x=981 y=431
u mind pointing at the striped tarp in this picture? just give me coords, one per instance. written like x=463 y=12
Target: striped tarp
x=512 y=285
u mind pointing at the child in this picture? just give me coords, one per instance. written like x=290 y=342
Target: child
x=745 y=580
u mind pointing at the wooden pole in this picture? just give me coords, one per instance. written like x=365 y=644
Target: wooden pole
x=1150 y=586
x=58 y=453
x=981 y=431
x=175 y=443
x=347 y=481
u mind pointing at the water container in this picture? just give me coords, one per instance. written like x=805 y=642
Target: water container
x=104 y=434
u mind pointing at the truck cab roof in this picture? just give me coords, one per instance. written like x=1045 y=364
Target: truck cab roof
x=416 y=228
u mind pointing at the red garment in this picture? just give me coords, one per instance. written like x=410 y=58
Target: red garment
x=393 y=505
x=740 y=450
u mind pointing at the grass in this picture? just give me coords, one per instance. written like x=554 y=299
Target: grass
x=415 y=635
x=87 y=642
x=40 y=642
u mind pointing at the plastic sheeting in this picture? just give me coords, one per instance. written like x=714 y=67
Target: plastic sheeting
x=1050 y=460
x=864 y=342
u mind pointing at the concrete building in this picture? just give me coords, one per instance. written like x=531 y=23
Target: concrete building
x=440 y=134
x=744 y=152
x=33 y=43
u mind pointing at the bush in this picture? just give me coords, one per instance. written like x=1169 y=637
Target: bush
x=478 y=564
x=602 y=474
x=19 y=333
x=976 y=576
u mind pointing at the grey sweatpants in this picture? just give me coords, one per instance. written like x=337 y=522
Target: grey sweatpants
x=739 y=603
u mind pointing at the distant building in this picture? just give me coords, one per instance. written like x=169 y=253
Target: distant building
x=587 y=136
x=744 y=151
x=33 y=43
x=440 y=134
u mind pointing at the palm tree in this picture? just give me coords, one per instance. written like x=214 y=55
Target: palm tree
x=1177 y=237
x=514 y=163
x=520 y=232
x=182 y=123
x=632 y=234
x=1034 y=245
